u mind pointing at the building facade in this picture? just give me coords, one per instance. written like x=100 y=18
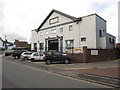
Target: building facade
x=65 y=33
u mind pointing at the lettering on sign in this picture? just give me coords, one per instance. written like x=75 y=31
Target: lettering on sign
x=94 y=52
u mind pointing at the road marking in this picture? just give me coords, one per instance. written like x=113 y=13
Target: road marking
x=90 y=68
x=37 y=69
x=67 y=76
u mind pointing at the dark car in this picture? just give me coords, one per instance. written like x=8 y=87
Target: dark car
x=54 y=56
x=17 y=53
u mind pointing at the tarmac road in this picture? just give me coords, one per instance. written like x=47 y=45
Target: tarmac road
x=17 y=75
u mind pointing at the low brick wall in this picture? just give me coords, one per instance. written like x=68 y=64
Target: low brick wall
x=85 y=57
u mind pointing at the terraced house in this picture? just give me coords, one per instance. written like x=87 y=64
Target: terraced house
x=65 y=33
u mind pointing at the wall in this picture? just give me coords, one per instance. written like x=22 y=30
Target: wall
x=109 y=44
x=100 y=25
x=88 y=30
x=62 y=19
x=79 y=30
x=86 y=57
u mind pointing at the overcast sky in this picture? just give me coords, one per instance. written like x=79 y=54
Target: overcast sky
x=19 y=17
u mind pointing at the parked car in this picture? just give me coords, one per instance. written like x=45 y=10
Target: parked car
x=26 y=55
x=16 y=54
x=54 y=56
x=35 y=56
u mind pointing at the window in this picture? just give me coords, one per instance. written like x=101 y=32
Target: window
x=61 y=30
x=53 y=31
x=46 y=32
x=83 y=39
x=41 y=33
x=70 y=28
x=69 y=44
x=100 y=33
x=36 y=54
x=110 y=39
x=41 y=46
x=35 y=45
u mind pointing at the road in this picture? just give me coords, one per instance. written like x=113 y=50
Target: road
x=17 y=75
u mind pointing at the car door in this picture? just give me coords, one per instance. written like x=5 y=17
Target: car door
x=36 y=56
x=56 y=56
x=41 y=56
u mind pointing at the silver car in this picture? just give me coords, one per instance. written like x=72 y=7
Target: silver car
x=26 y=55
x=35 y=56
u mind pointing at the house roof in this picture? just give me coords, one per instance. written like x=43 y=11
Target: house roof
x=61 y=13
x=110 y=35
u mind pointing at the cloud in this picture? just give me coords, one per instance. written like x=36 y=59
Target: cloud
x=19 y=17
x=12 y=37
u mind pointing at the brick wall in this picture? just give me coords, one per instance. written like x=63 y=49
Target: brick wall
x=103 y=55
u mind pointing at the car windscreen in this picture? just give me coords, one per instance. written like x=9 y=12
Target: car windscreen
x=27 y=53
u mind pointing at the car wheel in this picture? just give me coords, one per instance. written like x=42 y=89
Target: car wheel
x=32 y=60
x=48 y=62
x=16 y=57
x=25 y=58
x=67 y=61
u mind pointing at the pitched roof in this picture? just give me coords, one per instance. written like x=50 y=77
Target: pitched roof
x=61 y=13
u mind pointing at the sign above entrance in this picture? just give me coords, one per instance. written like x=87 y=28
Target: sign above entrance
x=79 y=50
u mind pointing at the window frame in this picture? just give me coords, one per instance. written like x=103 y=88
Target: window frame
x=41 y=44
x=100 y=33
x=41 y=33
x=70 y=27
x=71 y=45
x=61 y=30
x=46 y=32
x=83 y=39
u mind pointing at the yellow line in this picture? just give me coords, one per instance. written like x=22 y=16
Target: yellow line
x=89 y=68
x=63 y=75
x=67 y=77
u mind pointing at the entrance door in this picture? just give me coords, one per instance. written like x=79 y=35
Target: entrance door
x=53 y=44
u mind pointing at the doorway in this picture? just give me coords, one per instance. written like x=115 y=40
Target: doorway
x=53 y=45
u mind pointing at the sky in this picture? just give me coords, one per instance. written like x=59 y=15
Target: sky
x=19 y=17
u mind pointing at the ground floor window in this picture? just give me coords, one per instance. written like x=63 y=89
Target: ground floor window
x=69 y=44
x=35 y=46
x=41 y=46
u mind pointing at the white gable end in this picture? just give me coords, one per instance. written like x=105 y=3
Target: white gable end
x=55 y=19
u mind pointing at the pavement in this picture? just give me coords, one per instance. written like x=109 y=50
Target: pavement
x=104 y=72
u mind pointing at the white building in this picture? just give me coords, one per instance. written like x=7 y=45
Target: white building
x=63 y=32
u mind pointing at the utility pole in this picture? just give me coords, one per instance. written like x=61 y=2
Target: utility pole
x=5 y=42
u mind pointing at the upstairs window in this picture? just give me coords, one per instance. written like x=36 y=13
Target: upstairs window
x=41 y=34
x=100 y=33
x=69 y=44
x=46 y=32
x=61 y=30
x=70 y=28
x=53 y=31
x=83 y=39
